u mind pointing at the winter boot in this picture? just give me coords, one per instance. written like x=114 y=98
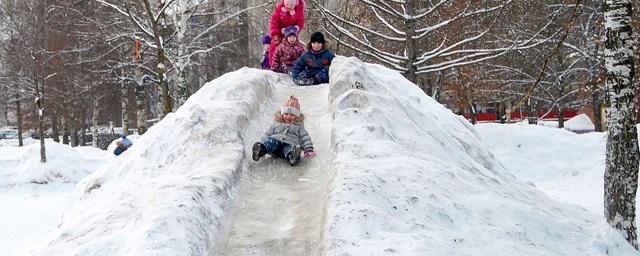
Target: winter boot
x=294 y=155
x=305 y=81
x=258 y=151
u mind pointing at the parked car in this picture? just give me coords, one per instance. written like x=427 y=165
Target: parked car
x=9 y=132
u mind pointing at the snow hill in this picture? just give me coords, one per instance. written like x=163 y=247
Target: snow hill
x=406 y=177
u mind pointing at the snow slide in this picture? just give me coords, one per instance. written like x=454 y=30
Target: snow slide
x=396 y=174
x=167 y=195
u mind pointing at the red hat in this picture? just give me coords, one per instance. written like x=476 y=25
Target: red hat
x=292 y=106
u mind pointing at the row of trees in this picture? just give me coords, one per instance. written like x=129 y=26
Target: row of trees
x=85 y=63
x=530 y=55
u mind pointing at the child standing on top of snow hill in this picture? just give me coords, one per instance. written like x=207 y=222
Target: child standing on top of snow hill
x=287 y=136
x=313 y=66
x=288 y=51
x=287 y=13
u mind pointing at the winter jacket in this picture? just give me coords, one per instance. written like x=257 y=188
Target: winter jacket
x=286 y=54
x=264 y=63
x=122 y=145
x=280 y=20
x=291 y=133
x=312 y=64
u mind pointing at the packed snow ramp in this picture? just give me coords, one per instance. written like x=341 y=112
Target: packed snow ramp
x=279 y=209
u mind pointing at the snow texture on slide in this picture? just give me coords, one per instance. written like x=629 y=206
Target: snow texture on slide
x=279 y=209
x=412 y=178
x=167 y=194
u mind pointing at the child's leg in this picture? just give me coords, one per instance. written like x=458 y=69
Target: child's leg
x=265 y=146
x=272 y=145
x=292 y=153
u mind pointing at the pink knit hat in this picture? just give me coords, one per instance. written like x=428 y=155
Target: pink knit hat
x=292 y=106
x=291 y=2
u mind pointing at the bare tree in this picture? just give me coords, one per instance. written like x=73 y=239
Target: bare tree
x=621 y=169
x=420 y=37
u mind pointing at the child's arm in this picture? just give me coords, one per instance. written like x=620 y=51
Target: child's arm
x=275 y=26
x=305 y=139
x=276 y=58
x=298 y=67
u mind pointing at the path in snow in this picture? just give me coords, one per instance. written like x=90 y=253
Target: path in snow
x=279 y=209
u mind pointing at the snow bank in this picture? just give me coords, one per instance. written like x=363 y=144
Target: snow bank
x=414 y=179
x=580 y=123
x=65 y=164
x=565 y=165
x=166 y=194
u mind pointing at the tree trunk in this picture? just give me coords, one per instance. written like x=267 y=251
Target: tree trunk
x=507 y=111
x=74 y=133
x=141 y=107
x=532 y=116
x=411 y=46
x=183 y=91
x=165 y=97
x=124 y=103
x=560 y=116
x=621 y=169
x=474 y=113
x=94 y=123
x=19 y=113
x=65 y=132
x=43 y=151
x=55 y=128
x=596 y=105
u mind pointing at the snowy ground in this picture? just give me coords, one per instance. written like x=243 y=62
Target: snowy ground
x=32 y=195
x=396 y=174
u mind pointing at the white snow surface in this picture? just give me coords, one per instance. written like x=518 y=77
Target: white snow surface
x=33 y=194
x=409 y=178
x=65 y=164
x=580 y=122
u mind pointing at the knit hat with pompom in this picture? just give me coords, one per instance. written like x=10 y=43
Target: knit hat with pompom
x=291 y=2
x=292 y=106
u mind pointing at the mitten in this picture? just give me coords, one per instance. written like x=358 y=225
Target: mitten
x=309 y=153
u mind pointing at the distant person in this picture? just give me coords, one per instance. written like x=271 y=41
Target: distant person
x=287 y=137
x=313 y=66
x=122 y=145
x=288 y=51
x=287 y=13
x=266 y=42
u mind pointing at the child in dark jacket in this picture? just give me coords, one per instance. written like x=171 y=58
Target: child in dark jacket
x=288 y=51
x=313 y=66
x=287 y=136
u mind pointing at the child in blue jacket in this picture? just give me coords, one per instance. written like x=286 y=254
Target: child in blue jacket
x=313 y=66
x=123 y=144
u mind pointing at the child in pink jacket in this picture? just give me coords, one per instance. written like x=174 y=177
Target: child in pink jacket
x=287 y=13
x=288 y=51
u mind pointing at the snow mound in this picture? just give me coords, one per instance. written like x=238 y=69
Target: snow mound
x=579 y=123
x=65 y=164
x=412 y=178
x=166 y=194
